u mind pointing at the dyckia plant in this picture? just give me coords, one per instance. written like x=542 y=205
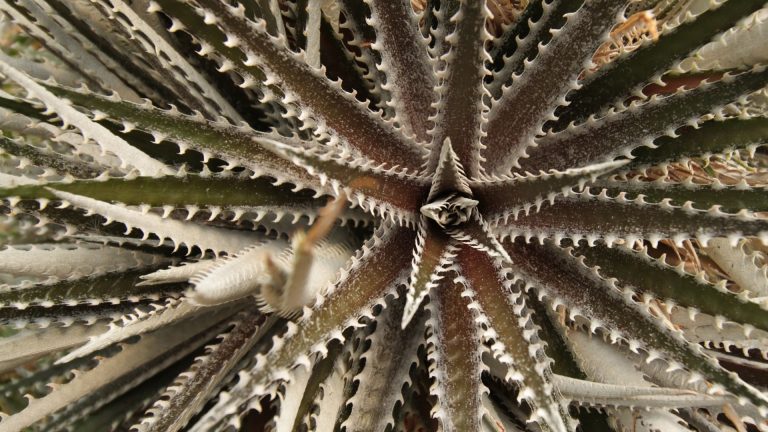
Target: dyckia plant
x=369 y=215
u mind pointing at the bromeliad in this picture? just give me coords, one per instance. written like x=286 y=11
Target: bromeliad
x=369 y=215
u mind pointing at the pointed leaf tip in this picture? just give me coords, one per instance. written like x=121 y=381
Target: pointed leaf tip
x=449 y=175
x=431 y=255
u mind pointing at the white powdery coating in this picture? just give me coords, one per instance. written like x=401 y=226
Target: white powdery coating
x=64 y=261
x=626 y=395
x=136 y=326
x=186 y=233
x=8 y=181
x=29 y=344
x=160 y=47
x=743 y=45
x=180 y=273
x=108 y=371
x=605 y=363
x=738 y=265
x=332 y=402
x=129 y=155
x=290 y=400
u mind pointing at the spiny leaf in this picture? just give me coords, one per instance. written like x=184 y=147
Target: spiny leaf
x=622 y=131
x=188 y=394
x=139 y=322
x=476 y=233
x=405 y=63
x=189 y=132
x=709 y=137
x=729 y=199
x=524 y=106
x=611 y=219
x=49 y=159
x=72 y=261
x=190 y=235
x=339 y=111
x=430 y=256
x=562 y=279
x=647 y=275
x=385 y=371
x=388 y=191
x=215 y=190
x=505 y=197
x=109 y=288
x=450 y=176
x=27 y=345
x=516 y=343
x=43 y=317
x=129 y=155
x=621 y=77
x=455 y=356
x=114 y=375
x=622 y=395
x=460 y=112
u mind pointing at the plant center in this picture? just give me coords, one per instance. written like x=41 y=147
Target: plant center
x=450 y=210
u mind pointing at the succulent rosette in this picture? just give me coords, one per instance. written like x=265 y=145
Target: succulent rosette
x=370 y=215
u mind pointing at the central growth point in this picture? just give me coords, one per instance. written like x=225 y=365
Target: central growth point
x=452 y=209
